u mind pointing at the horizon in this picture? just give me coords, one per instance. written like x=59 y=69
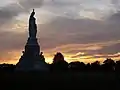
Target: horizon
x=81 y=30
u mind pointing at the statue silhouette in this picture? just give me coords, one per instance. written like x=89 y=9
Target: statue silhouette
x=32 y=25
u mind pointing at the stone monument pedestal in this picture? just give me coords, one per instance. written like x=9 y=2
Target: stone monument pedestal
x=31 y=60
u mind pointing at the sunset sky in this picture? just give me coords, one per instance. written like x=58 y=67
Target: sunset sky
x=83 y=30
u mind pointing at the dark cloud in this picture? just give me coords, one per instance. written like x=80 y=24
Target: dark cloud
x=9 y=12
x=114 y=18
x=82 y=31
x=29 y=4
x=110 y=49
x=12 y=41
x=116 y=4
x=107 y=56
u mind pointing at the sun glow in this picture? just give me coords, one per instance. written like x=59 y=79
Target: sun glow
x=12 y=57
x=15 y=56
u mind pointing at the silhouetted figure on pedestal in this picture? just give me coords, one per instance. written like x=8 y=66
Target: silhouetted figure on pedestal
x=31 y=59
x=32 y=25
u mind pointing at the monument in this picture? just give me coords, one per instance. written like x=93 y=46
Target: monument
x=32 y=59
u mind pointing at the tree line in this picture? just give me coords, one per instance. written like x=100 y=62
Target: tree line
x=60 y=65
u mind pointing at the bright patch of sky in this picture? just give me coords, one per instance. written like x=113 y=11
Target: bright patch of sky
x=6 y=2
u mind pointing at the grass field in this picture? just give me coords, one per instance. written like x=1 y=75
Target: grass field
x=86 y=80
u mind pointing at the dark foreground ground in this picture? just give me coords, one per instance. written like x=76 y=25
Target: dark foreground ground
x=74 y=81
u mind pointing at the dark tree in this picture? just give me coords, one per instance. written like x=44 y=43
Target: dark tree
x=7 y=67
x=76 y=66
x=108 y=65
x=117 y=66
x=95 y=66
x=59 y=64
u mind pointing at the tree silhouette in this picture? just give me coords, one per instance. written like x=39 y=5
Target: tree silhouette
x=59 y=64
x=108 y=65
x=95 y=66
x=88 y=67
x=117 y=66
x=7 y=67
x=76 y=66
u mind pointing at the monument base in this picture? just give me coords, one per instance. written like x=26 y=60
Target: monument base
x=31 y=64
x=31 y=60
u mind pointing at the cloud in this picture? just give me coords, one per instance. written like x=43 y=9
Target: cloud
x=116 y=4
x=12 y=41
x=7 y=13
x=30 y=4
x=76 y=9
x=66 y=31
x=114 y=18
x=63 y=8
x=110 y=49
x=72 y=36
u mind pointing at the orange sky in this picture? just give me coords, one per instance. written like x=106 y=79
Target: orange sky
x=12 y=57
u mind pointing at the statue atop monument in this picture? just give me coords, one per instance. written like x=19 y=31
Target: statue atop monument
x=32 y=25
x=32 y=59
